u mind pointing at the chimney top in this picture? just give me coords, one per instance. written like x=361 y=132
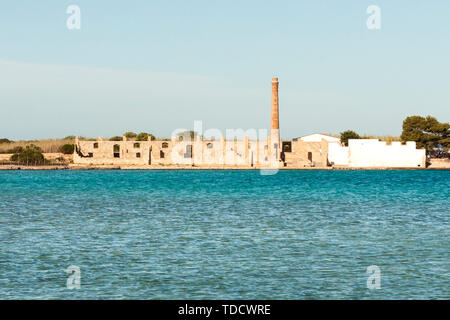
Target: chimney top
x=274 y=79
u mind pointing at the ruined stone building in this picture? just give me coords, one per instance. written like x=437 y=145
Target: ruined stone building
x=314 y=151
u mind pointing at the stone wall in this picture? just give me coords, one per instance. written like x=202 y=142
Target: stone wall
x=198 y=153
x=439 y=163
x=307 y=154
x=237 y=153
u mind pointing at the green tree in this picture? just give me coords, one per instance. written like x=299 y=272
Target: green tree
x=116 y=138
x=426 y=132
x=130 y=135
x=143 y=136
x=30 y=155
x=349 y=134
x=67 y=148
x=15 y=150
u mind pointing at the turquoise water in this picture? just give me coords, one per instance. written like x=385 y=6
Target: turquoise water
x=224 y=234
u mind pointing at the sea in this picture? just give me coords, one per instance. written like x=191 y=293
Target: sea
x=224 y=234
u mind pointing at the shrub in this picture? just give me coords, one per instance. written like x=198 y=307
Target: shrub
x=116 y=138
x=130 y=135
x=15 y=150
x=31 y=155
x=143 y=136
x=4 y=140
x=346 y=135
x=67 y=148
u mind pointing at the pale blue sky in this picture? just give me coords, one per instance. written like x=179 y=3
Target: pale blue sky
x=157 y=66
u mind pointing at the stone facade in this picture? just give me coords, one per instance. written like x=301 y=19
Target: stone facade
x=199 y=153
x=439 y=163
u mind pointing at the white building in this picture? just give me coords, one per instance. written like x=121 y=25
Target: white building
x=372 y=153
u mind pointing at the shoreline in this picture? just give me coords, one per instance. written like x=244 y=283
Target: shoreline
x=185 y=168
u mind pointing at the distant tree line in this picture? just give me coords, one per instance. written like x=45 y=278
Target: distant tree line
x=143 y=136
x=4 y=140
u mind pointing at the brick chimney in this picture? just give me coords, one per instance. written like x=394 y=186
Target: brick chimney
x=275 y=123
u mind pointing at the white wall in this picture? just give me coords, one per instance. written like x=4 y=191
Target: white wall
x=337 y=154
x=375 y=153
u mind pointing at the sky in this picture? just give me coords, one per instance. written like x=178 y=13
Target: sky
x=158 y=66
